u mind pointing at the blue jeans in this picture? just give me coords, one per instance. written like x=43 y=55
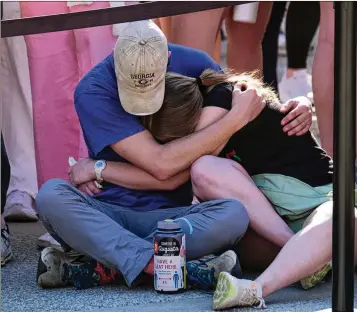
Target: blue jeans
x=122 y=238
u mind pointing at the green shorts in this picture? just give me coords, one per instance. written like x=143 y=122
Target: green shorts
x=293 y=199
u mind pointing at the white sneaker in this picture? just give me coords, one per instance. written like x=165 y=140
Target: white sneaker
x=19 y=207
x=46 y=240
x=299 y=84
x=232 y=292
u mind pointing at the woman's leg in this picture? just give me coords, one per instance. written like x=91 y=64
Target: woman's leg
x=218 y=178
x=302 y=21
x=244 y=51
x=306 y=253
x=197 y=30
x=270 y=44
x=322 y=76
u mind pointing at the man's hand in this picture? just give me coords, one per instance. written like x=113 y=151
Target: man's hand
x=299 y=119
x=82 y=172
x=89 y=188
x=247 y=104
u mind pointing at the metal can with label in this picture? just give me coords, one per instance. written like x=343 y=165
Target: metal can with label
x=169 y=257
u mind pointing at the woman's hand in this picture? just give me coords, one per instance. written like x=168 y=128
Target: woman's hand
x=299 y=119
x=247 y=104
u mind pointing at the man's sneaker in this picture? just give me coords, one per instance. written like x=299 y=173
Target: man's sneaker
x=60 y=269
x=19 y=207
x=6 y=252
x=299 y=84
x=46 y=240
x=232 y=292
x=204 y=273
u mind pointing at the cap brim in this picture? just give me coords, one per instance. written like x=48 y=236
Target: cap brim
x=142 y=104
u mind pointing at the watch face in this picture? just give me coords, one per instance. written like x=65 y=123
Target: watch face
x=100 y=164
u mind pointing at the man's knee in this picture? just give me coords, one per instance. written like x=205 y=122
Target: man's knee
x=236 y=219
x=49 y=195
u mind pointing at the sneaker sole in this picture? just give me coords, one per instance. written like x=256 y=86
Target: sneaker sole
x=223 y=297
x=16 y=214
x=312 y=280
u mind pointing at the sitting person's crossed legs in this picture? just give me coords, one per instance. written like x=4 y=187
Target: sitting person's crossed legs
x=143 y=181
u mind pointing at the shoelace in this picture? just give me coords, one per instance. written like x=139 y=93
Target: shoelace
x=261 y=305
x=252 y=297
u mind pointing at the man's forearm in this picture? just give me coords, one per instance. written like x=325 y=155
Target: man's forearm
x=179 y=155
x=129 y=176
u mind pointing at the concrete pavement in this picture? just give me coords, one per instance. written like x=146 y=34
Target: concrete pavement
x=20 y=292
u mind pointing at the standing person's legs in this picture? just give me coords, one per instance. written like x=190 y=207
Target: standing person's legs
x=184 y=30
x=122 y=239
x=165 y=25
x=92 y=46
x=270 y=44
x=302 y=21
x=217 y=178
x=5 y=177
x=6 y=252
x=54 y=76
x=17 y=123
x=322 y=76
x=244 y=51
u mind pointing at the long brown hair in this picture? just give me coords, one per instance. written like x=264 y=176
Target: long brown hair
x=182 y=106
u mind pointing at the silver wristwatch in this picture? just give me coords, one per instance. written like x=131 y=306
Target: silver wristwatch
x=99 y=166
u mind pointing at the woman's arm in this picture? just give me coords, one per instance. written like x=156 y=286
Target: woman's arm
x=127 y=175
x=130 y=176
x=210 y=115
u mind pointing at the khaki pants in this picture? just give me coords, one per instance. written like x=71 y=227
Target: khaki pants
x=16 y=117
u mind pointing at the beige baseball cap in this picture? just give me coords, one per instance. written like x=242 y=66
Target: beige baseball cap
x=140 y=58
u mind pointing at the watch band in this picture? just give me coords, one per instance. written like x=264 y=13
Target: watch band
x=99 y=166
